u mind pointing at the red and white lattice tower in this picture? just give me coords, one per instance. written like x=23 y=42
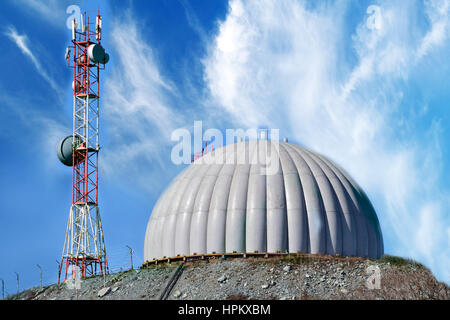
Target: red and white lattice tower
x=84 y=252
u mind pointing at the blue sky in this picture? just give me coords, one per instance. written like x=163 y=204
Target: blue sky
x=368 y=88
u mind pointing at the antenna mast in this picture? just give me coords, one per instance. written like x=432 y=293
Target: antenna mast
x=84 y=252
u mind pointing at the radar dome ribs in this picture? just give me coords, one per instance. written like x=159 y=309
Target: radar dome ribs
x=308 y=205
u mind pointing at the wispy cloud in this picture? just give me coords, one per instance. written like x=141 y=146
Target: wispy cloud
x=22 y=43
x=193 y=20
x=45 y=131
x=50 y=130
x=51 y=11
x=284 y=64
x=438 y=12
x=139 y=108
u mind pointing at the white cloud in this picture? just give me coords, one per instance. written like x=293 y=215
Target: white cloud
x=253 y=49
x=438 y=12
x=281 y=64
x=52 y=131
x=52 y=11
x=138 y=108
x=22 y=43
x=193 y=21
x=46 y=132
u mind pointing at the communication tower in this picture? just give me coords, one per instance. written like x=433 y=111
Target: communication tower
x=84 y=251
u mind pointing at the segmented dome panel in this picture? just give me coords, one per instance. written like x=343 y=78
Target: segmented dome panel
x=232 y=200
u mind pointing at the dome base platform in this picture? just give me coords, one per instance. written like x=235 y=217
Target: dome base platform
x=216 y=256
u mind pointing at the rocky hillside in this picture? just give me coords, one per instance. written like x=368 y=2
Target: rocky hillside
x=287 y=277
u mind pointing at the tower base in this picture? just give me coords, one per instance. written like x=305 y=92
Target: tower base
x=84 y=252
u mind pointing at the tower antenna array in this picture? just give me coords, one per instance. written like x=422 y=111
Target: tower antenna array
x=84 y=251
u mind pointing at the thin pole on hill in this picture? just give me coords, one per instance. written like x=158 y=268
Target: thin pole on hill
x=131 y=255
x=3 y=288
x=40 y=273
x=17 y=277
x=58 y=267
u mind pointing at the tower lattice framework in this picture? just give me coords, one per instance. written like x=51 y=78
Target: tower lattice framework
x=84 y=252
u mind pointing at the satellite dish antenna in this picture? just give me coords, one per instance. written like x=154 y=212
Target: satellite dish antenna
x=96 y=53
x=64 y=149
x=105 y=59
